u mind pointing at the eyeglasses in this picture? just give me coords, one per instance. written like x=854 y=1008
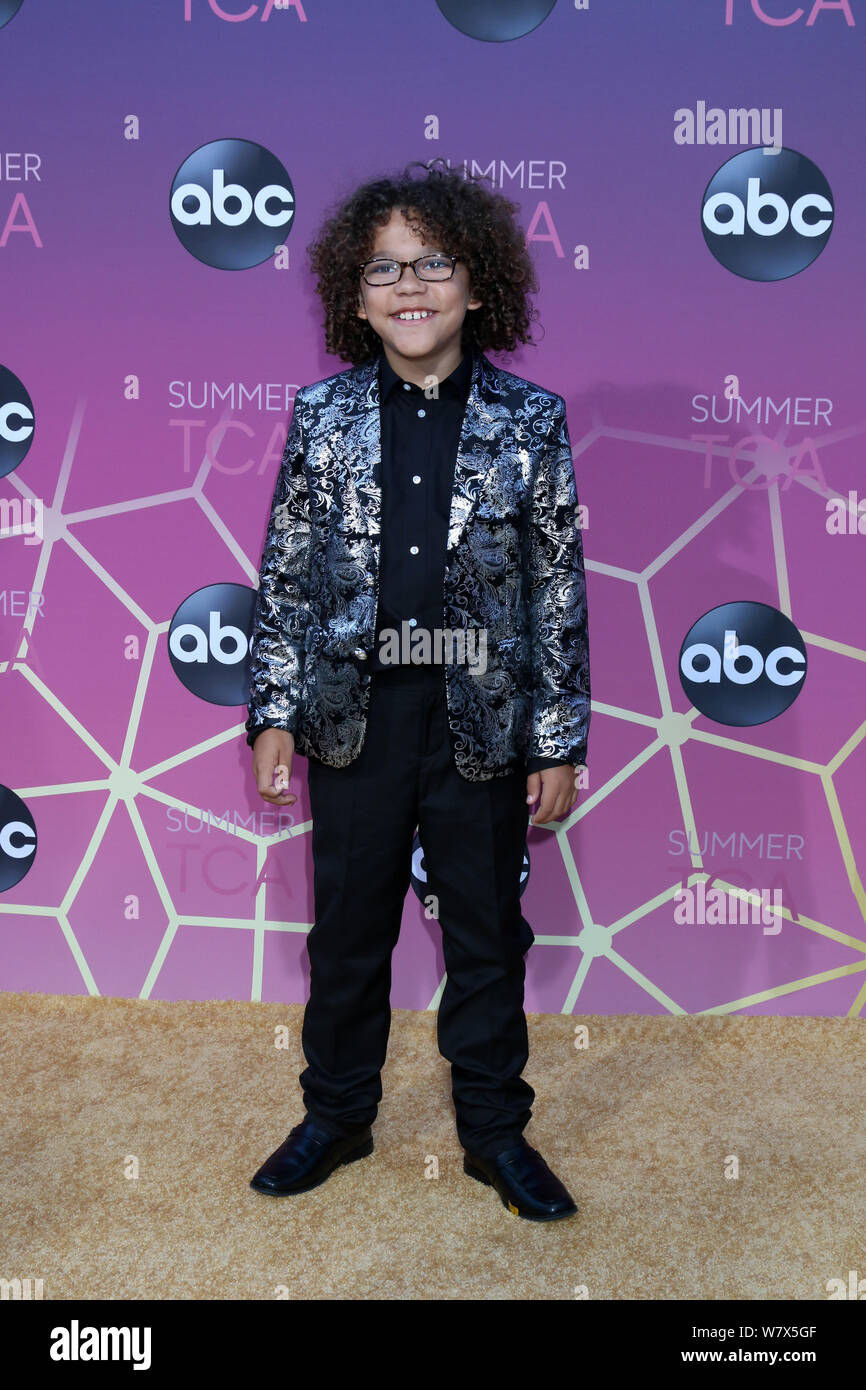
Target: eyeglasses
x=381 y=271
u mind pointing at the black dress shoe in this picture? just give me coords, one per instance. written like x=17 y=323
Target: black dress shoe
x=524 y=1182
x=307 y=1157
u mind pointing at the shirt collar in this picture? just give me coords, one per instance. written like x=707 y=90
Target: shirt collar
x=455 y=386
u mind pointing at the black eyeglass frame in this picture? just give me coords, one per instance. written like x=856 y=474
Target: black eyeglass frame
x=414 y=264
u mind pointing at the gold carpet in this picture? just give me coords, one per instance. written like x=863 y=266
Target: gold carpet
x=131 y=1130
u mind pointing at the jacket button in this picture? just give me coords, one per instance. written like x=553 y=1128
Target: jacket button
x=360 y=654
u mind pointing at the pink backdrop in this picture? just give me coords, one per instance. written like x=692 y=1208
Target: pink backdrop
x=145 y=394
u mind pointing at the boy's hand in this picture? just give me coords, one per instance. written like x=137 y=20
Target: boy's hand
x=272 y=752
x=559 y=792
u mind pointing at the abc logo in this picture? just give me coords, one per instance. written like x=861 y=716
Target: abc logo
x=493 y=21
x=8 y=10
x=767 y=216
x=232 y=204
x=419 y=871
x=16 y=421
x=742 y=663
x=209 y=643
x=17 y=839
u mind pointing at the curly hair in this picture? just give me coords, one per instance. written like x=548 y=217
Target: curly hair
x=460 y=215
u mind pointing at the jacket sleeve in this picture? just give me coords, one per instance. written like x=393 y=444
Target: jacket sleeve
x=539 y=764
x=282 y=607
x=557 y=604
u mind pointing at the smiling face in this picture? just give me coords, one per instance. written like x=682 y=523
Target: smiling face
x=416 y=347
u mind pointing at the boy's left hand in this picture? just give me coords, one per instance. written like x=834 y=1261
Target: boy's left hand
x=559 y=791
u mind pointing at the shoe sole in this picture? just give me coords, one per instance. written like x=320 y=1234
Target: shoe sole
x=351 y=1157
x=480 y=1176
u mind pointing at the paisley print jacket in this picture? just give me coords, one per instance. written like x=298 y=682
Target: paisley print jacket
x=513 y=568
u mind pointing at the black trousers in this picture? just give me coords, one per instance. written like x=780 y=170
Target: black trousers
x=473 y=836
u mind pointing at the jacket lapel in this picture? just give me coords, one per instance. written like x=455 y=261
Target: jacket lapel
x=478 y=450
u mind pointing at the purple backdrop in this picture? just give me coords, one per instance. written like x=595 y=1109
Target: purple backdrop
x=154 y=475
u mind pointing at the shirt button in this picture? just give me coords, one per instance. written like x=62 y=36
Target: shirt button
x=413 y=550
x=406 y=386
x=416 y=478
x=413 y=622
x=421 y=414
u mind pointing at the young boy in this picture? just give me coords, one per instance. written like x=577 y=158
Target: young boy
x=421 y=638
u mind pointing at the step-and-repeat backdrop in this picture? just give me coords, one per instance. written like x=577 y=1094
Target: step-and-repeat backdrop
x=689 y=176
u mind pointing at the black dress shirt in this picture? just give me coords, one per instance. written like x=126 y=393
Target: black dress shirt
x=420 y=434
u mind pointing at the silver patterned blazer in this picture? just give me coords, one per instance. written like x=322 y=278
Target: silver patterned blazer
x=513 y=569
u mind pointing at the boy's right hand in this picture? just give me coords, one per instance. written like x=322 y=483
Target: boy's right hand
x=272 y=748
